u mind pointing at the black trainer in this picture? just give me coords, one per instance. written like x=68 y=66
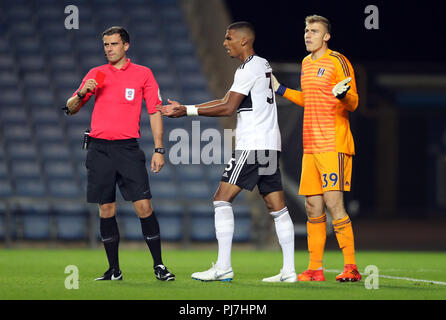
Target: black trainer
x=111 y=274
x=161 y=273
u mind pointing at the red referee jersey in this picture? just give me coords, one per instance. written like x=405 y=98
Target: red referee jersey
x=117 y=108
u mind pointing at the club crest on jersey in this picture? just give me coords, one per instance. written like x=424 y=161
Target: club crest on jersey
x=320 y=72
x=129 y=94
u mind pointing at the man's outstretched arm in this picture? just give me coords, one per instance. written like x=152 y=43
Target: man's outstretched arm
x=294 y=96
x=217 y=108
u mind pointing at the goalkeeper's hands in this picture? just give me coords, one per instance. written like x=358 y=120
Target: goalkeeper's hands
x=278 y=88
x=341 y=88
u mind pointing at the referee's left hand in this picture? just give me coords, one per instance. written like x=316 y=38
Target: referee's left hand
x=157 y=162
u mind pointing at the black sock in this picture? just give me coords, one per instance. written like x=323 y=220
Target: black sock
x=151 y=232
x=110 y=238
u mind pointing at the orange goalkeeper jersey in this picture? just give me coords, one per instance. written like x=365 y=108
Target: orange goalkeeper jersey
x=326 y=125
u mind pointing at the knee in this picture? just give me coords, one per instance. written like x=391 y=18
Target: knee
x=313 y=210
x=336 y=208
x=143 y=209
x=107 y=210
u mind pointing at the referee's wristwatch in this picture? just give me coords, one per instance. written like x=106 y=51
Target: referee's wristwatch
x=160 y=150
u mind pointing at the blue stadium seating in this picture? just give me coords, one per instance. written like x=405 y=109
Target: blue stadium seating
x=171 y=220
x=36 y=221
x=5 y=188
x=202 y=227
x=42 y=64
x=28 y=169
x=128 y=221
x=30 y=187
x=8 y=79
x=63 y=188
x=21 y=151
x=4 y=172
x=70 y=220
x=17 y=133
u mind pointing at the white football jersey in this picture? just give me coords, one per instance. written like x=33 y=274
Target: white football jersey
x=257 y=126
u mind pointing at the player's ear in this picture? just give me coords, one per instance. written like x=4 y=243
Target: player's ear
x=244 y=41
x=327 y=37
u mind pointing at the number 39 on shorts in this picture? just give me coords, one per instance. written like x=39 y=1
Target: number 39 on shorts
x=329 y=179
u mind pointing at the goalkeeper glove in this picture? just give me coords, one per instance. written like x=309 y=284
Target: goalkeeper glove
x=341 y=88
x=278 y=88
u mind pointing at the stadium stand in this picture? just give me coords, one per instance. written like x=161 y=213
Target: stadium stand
x=42 y=166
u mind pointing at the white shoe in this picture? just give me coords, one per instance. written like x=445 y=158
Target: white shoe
x=282 y=277
x=214 y=274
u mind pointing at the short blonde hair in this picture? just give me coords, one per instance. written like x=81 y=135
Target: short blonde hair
x=315 y=18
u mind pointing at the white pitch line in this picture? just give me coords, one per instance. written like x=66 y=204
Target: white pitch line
x=397 y=278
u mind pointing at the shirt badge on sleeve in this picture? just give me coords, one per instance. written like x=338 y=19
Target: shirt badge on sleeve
x=129 y=94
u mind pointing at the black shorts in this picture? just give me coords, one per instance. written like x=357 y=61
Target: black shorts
x=249 y=168
x=111 y=162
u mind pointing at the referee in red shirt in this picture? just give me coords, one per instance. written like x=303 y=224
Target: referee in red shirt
x=114 y=156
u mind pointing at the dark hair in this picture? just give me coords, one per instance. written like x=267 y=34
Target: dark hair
x=242 y=25
x=117 y=30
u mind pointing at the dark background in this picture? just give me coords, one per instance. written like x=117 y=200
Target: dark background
x=408 y=30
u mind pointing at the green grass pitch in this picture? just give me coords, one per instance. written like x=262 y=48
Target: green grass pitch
x=40 y=274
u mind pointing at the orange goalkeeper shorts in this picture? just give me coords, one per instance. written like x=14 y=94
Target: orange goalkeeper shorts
x=325 y=171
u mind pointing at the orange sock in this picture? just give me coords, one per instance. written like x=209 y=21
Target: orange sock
x=344 y=233
x=317 y=234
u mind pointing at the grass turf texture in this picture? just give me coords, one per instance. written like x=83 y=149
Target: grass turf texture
x=40 y=274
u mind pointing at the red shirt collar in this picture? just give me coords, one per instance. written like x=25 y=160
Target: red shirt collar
x=124 y=67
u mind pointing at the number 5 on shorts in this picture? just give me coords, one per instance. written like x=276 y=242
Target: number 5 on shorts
x=333 y=177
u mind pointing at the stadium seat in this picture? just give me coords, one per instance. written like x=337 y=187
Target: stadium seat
x=31 y=62
x=12 y=97
x=170 y=217
x=4 y=172
x=202 y=226
x=196 y=190
x=45 y=115
x=128 y=221
x=40 y=97
x=30 y=187
x=21 y=151
x=54 y=151
x=8 y=79
x=36 y=220
x=189 y=172
x=25 y=169
x=165 y=190
x=55 y=42
x=5 y=188
x=7 y=62
x=63 y=63
x=27 y=45
x=67 y=80
x=49 y=133
x=36 y=80
x=71 y=220
x=17 y=133
x=59 y=169
x=64 y=188
x=13 y=115
x=242 y=223
x=157 y=64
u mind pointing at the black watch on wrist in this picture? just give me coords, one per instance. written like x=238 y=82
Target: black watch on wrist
x=160 y=150
x=79 y=95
